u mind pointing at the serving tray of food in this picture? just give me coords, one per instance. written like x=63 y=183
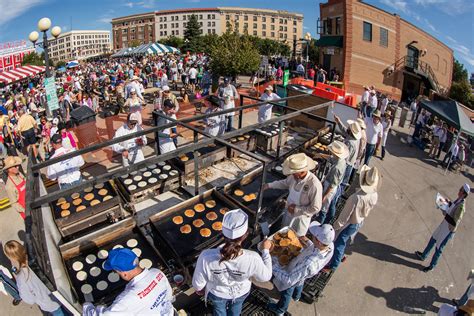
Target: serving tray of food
x=246 y=142
x=286 y=246
x=208 y=155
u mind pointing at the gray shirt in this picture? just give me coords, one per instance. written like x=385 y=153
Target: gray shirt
x=336 y=173
x=33 y=291
x=352 y=144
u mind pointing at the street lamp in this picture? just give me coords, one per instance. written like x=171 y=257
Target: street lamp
x=44 y=25
x=307 y=38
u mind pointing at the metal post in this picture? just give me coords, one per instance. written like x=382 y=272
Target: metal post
x=307 y=59
x=280 y=135
x=241 y=112
x=46 y=54
x=196 y=166
x=260 y=195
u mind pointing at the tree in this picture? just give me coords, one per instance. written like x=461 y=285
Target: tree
x=135 y=43
x=192 y=34
x=173 y=41
x=34 y=59
x=206 y=42
x=461 y=92
x=459 y=72
x=60 y=63
x=313 y=52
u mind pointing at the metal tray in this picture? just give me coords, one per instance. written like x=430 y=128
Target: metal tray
x=207 y=157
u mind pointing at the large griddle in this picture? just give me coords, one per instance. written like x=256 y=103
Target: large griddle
x=208 y=155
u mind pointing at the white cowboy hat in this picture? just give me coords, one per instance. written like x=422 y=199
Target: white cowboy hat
x=298 y=163
x=269 y=87
x=377 y=113
x=369 y=179
x=339 y=149
x=11 y=161
x=361 y=123
x=355 y=128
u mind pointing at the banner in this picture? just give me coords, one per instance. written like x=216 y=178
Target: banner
x=51 y=95
x=286 y=77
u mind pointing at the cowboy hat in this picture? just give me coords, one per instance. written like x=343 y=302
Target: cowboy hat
x=339 y=149
x=376 y=113
x=298 y=163
x=135 y=78
x=11 y=161
x=361 y=123
x=355 y=128
x=269 y=87
x=369 y=179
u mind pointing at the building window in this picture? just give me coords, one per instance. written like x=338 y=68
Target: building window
x=254 y=33
x=338 y=26
x=273 y=20
x=176 y=18
x=172 y=32
x=177 y=32
x=161 y=33
x=227 y=17
x=264 y=26
x=264 y=19
x=184 y=17
x=281 y=21
x=329 y=27
x=272 y=27
x=255 y=18
x=281 y=35
x=213 y=31
x=325 y=26
x=367 y=31
x=209 y=23
x=200 y=16
x=213 y=23
x=172 y=18
x=255 y=25
x=264 y=33
x=208 y=16
x=246 y=18
x=213 y=16
x=184 y=24
x=273 y=34
x=281 y=28
x=294 y=30
x=383 y=37
x=164 y=19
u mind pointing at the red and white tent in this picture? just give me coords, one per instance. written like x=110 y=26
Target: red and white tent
x=20 y=73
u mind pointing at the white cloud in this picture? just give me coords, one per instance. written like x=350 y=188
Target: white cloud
x=430 y=26
x=13 y=9
x=145 y=4
x=464 y=52
x=450 y=7
x=398 y=5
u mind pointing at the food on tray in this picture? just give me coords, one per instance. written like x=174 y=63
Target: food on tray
x=106 y=198
x=186 y=229
x=133 y=173
x=286 y=246
x=88 y=189
x=161 y=163
x=210 y=203
x=173 y=173
x=80 y=208
x=65 y=213
x=233 y=140
x=199 y=207
x=137 y=251
x=217 y=226
x=250 y=197
x=103 y=192
x=102 y=285
x=178 y=220
x=167 y=168
x=75 y=196
x=239 y=192
x=152 y=180
x=86 y=289
x=184 y=158
x=137 y=178
x=143 y=169
x=94 y=271
x=198 y=222
x=65 y=206
x=102 y=254
x=113 y=277
x=81 y=275
x=142 y=184
x=156 y=171
x=77 y=266
x=246 y=136
x=241 y=138
x=212 y=216
x=205 y=232
x=163 y=176
x=284 y=242
x=132 y=187
x=189 y=213
x=223 y=210
x=145 y=263
x=89 y=196
x=132 y=243
x=99 y=186
x=90 y=259
x=128 y=181
x=147 y=174
x=76 y=202
x=95 y=202
x=117 y=247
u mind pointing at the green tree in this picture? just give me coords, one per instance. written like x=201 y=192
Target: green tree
x=192 y=34
x=60 y=63
x=459 y=72
x=34 y=59
x=313 y=51
x=134 y=43
x=173 y=41
x=204 y=43
x=461 y=92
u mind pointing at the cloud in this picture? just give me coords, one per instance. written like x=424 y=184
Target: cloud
x=430 y=26
x=464 y=52
x=398 y=5
x=14 y=9
x=107 y=16
x=450 y=7
x=145 y=4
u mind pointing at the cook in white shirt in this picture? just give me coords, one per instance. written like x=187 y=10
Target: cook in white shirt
x=148 y=291
x=130 y=149
x=215 y=125
x=265 y=110
x=67 y=172
x=384 y=105
x=374 y=132
x=224 y=273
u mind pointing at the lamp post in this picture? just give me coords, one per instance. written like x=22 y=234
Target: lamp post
x=307 y=38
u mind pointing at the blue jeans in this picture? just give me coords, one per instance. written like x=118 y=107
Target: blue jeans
x=10 y=286
x=229 y=123
x=369 y=152
x=463 y=300
x=58 y=312
x=438 y=251
x=226 y=307
x=369 y=110
x=63 y=186
x=347 y=176
x=341 y=243
x=293 y=292
x=325 y=216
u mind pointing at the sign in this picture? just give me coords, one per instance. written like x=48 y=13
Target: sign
x=15 y=44
x=286 y=77
x=51 y=96
x=330 y=51
x=264 y=61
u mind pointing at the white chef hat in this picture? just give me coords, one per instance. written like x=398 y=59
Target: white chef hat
x=324 y=233
x=466 y=188
x=234 y=224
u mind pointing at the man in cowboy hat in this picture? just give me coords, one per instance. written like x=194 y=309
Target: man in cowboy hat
x=265 y=110
x=304 y=199
x=333 y=180
x=352 y=134
x=374 y=131
x=16 y=184
x=373 y=103
x=453 y=214
x=365 y=100
x=355 y=211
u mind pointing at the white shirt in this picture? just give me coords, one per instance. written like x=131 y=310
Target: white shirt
x=33 y=291
x=300 y=68
x=373 y=101
x=384 y=105
x=193 y=73
x=135 y=152
x=265 y=110
x=149 y=293
x=66 y=171
x=365 y=96
x=454 y=149
x=231 y=279
x=373 y=131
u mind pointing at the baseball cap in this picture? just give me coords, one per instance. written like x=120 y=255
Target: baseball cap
x=168 y=103
x=234 y=224
x=133 y=117
x=121 y=259
x=226 y=80
x=56 y=139
x=466 y=188
x=55 y=121
x=324 y=233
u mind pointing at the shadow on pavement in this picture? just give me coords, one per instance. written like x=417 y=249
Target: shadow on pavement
x=382 y=252
x=410 y=301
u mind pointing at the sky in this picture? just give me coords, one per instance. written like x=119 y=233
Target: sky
x=451 y=21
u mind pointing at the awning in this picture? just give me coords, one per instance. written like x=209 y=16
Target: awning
x=20 y=73
x=330 y=41
x=145 y=49
x=157 y=48
x=451 y=112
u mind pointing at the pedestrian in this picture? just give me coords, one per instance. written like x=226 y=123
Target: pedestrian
x=134 y=105
x=305 y=192
x=166 y=137
x=365 y=101
x=215 y=125
x=227 y=93
x=27 y=127
x=451 y=154
x=8 y=285
x=31 y=289
x=373 y=103
x=362 y=144
x=420 y=122
x=265 y=110
x=15 y=185
x=446 y=230
x=314 y=257
x=135 y=86
x=384 y=104
x=66 y=172
x=374 y=131
x=223 y=274
x=354 y=213
x=192 y=77
x=70 y=140
x=386 y=125
x=442 y=139
x=130 y=149
x=469 y=293
x=352 y=135
x=148 y=291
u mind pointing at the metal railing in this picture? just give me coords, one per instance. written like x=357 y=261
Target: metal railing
x=415 y=63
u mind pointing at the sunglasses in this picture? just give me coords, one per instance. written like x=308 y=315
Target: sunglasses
x=132 y=123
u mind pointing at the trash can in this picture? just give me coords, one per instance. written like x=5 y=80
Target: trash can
x=403 y=117
x=82 y=115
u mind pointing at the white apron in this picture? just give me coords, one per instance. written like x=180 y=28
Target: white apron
x=442 y=231
x=166 y=144
x=299 y=224
x=135 y=154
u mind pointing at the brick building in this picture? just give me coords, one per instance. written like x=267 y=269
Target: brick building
x=369 y=46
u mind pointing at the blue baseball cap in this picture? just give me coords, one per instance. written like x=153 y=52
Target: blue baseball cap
x=122 y=259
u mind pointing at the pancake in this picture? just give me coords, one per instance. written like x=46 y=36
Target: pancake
x=161 y=163
x=143 y=169
x=163 y=176
x=233 y=140
x=65 y=206
x=189 y=213
x=246 y=136
x=80 y=208
x=128 y=181
x=147 y=174
x=151 y=167
x=81 y=275
x=90 y=259
x=61 y=201
x=86 y=289
x=173 y=173
x=186 y=229
x=210 y=203
x=113 y=277
x=99 y=186
x=77 y=202
x=137 y=251
x=240 y=138
x=223 y=210
x=75 y=196
x=199 y=207
x=137 y=178
x=198 y=222
x=205 y=232
x=95 y=202
x=77 y=266
x=142 y=184
x=133 y=173
x=167 y=168
x=152 y=180
x=212 y=216
x=89 y=196
x=239 y=192
x=284 y=260
x=284 y=242
x=65 y=213
x=178 y=220
x=88 y=189
x=184 y=158
x=253 y=196
x=103 y=192
x=102 y=285
x=132 y=243
x=132 y=187
x=106 y=198
x=125 y=176
x=156 y=171
x=102 y=254
x=94 y=271
x=145 y=263
x=217 y=226
x=117 y=246
x=247 y=198
x=291 y=234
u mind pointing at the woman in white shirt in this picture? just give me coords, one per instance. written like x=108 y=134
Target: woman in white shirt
x=134 y=104
x=224 y=273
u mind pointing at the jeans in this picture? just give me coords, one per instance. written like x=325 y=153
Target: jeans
x=369 y=152
x=418 y=127
x=229 y=123
x=383 y=152
x=465 y=297
x=438 y=251
x=285 y=297
x=63 y=186
x=327 y=213
x=10 y=286
x=346 y=181
x=369 y=110
x=227 y=307
x=58 y=312
x=341 y=243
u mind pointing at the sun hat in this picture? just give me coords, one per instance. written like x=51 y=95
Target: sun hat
x=166 y=88
x=121 y=259
x=269 y=87
x=339 y=149
x=361 y=123
x=135 y=78
x=235 y=224
x=298 y=163
x=466 y=188
x=134 y=117
x=324 y=233
x=369 y=179
x=11 y=161
x=355 y=128
x=376 y=113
